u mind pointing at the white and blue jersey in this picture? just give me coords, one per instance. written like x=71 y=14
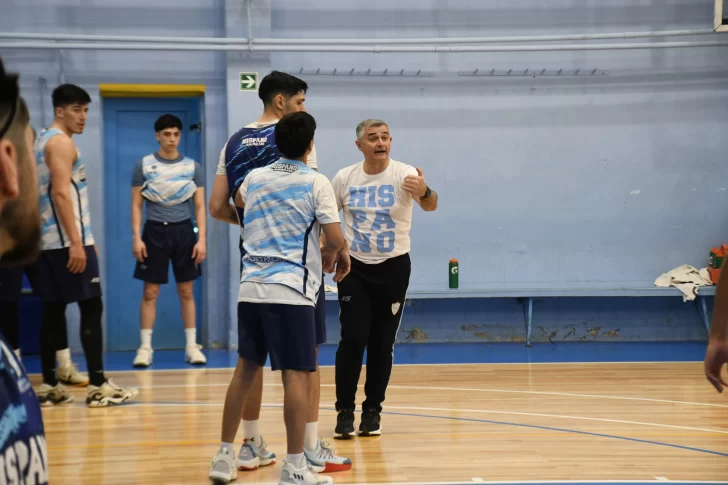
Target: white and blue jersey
x=251 y=147
x=23 y=451
x=285 y=205
x=377 y=211
x=167 y=186
x=54 y=235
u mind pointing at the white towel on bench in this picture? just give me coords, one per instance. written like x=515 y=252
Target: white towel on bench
x=686 y=279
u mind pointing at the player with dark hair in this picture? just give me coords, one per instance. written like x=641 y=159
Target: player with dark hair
x=19 y=237
x=285 y=206
x=252 y=147
x=167 y=181
x=67 y=269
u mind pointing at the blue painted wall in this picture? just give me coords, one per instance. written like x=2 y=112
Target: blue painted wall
x=610 y=179
x=90 y=68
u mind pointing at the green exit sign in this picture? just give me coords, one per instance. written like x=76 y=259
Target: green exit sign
x=248 y=81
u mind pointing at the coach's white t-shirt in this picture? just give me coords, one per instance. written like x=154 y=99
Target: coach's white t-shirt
x=377 y=211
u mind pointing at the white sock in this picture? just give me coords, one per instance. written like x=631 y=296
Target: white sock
x=251 y=432
x=298 y=461
x=311 y=440
x=63 y=357
x=227 y=446
x=191 y=336
x=146 y=337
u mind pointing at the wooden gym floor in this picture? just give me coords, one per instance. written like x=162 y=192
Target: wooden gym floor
x=455 y=423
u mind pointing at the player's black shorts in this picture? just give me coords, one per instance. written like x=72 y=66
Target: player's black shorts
x=52 y=280
x=168 y=241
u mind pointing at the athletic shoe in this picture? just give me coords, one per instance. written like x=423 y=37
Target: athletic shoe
x=52 y=395
x=324 y=460
x=222 y=469
x=290 y=475
x=109 y=393
x=370 y=423
x=344 y=424
x=70 y=376
x=252 y=456
x=143 y=357
x=194 y=356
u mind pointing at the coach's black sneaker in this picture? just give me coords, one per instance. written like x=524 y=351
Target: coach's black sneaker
x=370 y=423
x=344 y=425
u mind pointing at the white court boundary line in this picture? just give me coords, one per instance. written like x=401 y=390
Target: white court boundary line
x=450 y=410
x=505 y=391
x=522 y=482
x=445 y=364
x=545 y=415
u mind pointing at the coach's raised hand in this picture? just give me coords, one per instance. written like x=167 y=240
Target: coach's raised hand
x=415 y=184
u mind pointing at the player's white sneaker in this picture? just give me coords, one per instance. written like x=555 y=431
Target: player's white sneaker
x=253 y=454
x=109 y=393
x=222 y=469
x=70 y=376
x=52 y=395
x=301 y=474
x=324 y=459
x=193 y=355
x=143 y=357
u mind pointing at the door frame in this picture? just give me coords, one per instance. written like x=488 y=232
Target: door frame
x=110 y=90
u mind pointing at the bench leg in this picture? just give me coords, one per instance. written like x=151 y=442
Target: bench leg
x=529 y=320
x=704 y=314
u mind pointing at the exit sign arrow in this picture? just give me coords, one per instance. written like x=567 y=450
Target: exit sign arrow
x=248 y=81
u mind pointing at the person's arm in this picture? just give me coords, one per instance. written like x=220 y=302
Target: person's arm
x=220 y=206
x=199 y=253
x=242 y=193
x=416 y=186
x=335 y=252
x=717 y=354
x=138 y=248
x=719 y=324
x=311 y=160
x=60 y=155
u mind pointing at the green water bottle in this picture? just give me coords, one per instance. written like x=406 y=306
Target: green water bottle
x=453 y=273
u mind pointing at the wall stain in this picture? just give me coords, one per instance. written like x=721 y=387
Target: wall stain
x=415 y=335
x=611 y=333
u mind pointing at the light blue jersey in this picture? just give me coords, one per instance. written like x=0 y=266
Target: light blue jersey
x=167 y=186
x=285 y=205
x=54 y=236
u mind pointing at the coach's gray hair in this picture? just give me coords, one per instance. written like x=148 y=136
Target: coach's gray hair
x=361 y=127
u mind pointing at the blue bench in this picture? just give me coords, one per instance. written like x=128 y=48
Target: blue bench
x=544 y=291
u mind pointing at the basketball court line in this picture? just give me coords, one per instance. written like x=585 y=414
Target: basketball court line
x=450 y=410
x=526 y=482
x=532 y=482
x=466 y=389
x=454 y=418
x=184 y=366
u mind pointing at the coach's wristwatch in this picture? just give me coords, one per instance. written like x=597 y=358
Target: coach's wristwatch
x=428 y=193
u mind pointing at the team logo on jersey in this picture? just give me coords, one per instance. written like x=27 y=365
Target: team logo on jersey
x=395 y=308
x=254 y=141
x=284 y=167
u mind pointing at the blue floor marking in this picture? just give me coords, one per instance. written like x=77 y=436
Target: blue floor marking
x=446 y=353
